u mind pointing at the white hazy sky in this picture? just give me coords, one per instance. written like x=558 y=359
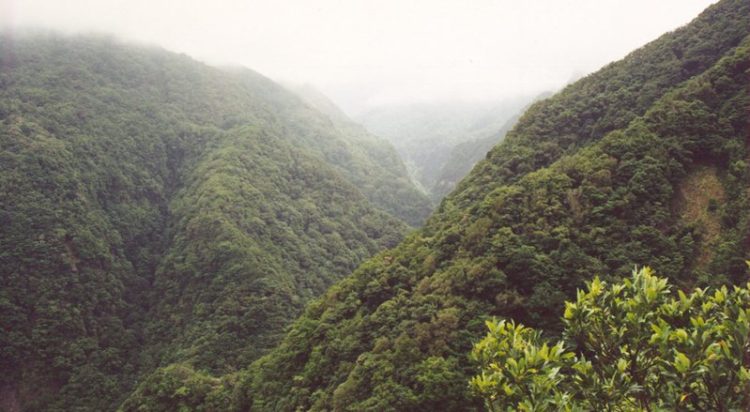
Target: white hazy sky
x=365 y=53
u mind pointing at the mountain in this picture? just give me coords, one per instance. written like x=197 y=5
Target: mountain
x=642 y=162
x=155 y=209
x=316 y=99
x=392 y=192
x=373 y=147
x=463 y=156
x=441 y=142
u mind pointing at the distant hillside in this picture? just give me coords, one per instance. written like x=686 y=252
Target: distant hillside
x=440 y=143
x=154 y=209
x=463 y=156
x=596 y=179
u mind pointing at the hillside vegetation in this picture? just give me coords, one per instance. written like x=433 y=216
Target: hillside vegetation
x=634 y=345
x=154 y=209
x=163 y=223
x=585 y=183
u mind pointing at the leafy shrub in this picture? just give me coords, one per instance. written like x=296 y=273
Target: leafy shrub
x=633 y=345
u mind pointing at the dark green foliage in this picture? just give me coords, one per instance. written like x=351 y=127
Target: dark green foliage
x=585 y=183
x=154 y=209
x=259 y=228
x=608 y=99
x=141 y=207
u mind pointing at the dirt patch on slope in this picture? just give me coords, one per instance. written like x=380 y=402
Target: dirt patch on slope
x=700 y=196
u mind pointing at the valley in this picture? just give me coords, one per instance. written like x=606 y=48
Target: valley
x=179 y=236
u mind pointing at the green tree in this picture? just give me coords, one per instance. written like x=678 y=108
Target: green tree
x=633 y=345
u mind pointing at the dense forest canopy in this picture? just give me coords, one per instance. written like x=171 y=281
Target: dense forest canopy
x=154 y=209
x=589 y=181
x=165 y=222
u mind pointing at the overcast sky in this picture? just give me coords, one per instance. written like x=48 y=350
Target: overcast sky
x=365 y=53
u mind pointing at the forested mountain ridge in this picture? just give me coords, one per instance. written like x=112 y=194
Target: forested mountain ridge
x=373 y=147
x=154 y=209
x=609 y=98
x=590 y=181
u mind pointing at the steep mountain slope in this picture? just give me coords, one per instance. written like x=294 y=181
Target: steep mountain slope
x=362 y=159
x=258 y=229
x=428 y=135
x=608 y=99
x=463 y=156
x=589 y=181
x=155 y=209
x=375 y=148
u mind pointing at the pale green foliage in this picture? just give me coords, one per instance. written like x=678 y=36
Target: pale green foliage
x=633 y=345
x=518 y=367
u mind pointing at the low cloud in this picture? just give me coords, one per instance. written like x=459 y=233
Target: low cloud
x=365 y=53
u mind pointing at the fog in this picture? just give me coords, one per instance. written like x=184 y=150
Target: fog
x=369 y=53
